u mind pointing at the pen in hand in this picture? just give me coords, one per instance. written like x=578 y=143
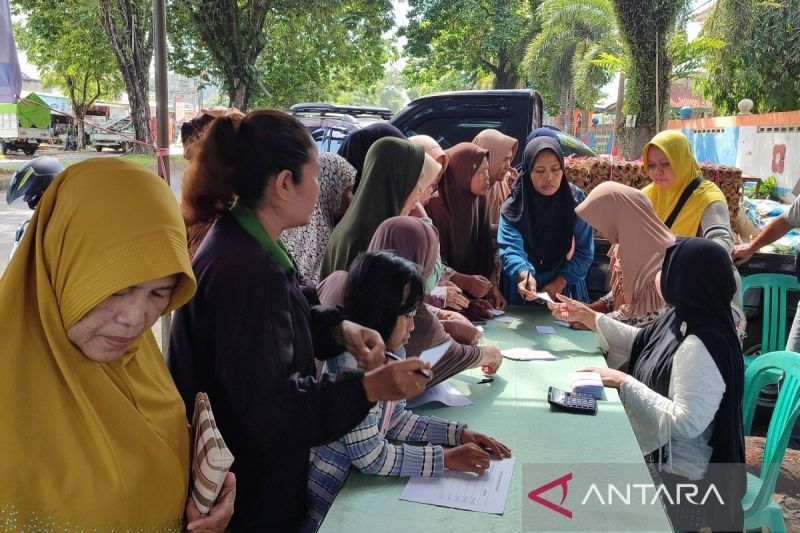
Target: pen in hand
x=421 y=371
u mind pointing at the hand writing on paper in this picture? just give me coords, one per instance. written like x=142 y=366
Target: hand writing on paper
x=496 y=298
x=611 y=378
x=219 y=516
x=498 y=449
x=573 y=311
x=467 y=458
x=396 y=380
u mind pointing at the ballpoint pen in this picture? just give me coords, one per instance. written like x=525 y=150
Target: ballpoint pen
x=421 y=371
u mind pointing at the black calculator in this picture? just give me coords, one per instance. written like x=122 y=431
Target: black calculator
x=576 y=402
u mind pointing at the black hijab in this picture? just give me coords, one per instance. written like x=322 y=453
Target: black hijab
x=354 y=149
x=547 y=223
x=697 y=281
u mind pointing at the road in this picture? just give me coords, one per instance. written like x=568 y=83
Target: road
x=11 y=216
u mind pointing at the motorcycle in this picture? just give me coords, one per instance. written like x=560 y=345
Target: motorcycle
x=29 y=183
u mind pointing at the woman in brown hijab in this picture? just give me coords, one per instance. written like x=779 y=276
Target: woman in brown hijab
x=626 y=218
x=502 y=150
x=411 y=238
x=464 y=235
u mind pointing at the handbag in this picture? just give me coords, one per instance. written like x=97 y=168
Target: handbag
x=211 y=459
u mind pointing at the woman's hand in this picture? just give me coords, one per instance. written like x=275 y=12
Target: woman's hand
x=611 y=378
x=526 y=286
x=219 y=516
x=444 y=314
x=462 y=332
x=467 y=458
x=396 y=380
x=491 y=359
x=480 y=308
x=365 y=344
x=573 y=311
x=555 y=287
x=417 y=210
x=498 y=449
x=495 y=297
x=455 y=299
x=742 y=254
x=477 y=286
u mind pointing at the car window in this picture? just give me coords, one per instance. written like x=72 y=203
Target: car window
x=336 y=139
x=449 y=131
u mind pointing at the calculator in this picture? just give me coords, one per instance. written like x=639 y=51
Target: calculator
x=576 y=402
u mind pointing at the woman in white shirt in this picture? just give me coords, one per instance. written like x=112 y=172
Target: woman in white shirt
x=683 y=393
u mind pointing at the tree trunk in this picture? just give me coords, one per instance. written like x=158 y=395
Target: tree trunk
x=128 y=26
x=81 y=140
x=505 y=76
x=569 y=123
x=239 y=96
x=563 y=104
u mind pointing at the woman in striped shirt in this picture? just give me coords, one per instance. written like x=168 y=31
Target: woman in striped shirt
x=383 y=291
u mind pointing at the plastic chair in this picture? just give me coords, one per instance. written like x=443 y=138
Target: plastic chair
x=773 y=331
x=760 y=510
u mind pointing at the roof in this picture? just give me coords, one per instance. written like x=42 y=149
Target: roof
x=681 y=96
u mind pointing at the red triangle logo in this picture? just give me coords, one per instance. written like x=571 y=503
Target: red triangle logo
x=535 y=495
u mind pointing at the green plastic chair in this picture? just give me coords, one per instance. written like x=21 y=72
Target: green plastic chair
x=760 y=510
x=773 y=331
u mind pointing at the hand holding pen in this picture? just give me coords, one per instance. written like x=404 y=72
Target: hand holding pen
x=526 y=286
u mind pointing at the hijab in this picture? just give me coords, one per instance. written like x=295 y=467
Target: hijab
x=676 y=148
x=356 y=147
x=391 y=171
x=541 y=132
x=546 y=223
x=498 y=145
x=432 y=148
x=625 y=217
x=697 y=281
x=92 y=445
x=307 y=243
x=412 y=239
x=464 y=236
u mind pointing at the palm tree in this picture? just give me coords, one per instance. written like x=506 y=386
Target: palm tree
x=573 y=34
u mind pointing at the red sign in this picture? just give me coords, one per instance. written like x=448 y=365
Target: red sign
x=778 y=158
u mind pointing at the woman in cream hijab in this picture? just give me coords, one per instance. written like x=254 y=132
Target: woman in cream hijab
x=96 y=434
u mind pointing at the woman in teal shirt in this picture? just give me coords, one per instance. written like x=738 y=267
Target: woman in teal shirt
x=544 y=246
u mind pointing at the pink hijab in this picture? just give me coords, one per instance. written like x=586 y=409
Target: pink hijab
x=625 y=217
x=433 y=149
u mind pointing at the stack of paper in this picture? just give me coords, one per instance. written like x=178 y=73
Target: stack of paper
x=587 y=383
x=442 y=393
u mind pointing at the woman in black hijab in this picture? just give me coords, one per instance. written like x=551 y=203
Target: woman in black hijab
x=543 y=245
x=684 y=392
x=358 y=143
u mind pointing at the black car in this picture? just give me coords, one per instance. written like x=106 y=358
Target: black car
x=330 y=124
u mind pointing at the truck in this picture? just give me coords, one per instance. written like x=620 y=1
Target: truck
x=454 y=117
x=24 y=125
x=116 y=134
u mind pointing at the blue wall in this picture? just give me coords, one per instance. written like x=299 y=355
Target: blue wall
x=717 y=148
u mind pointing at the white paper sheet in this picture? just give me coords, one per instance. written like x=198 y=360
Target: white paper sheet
x=497 y=312
x=506 y=319
x=442 y=393
x=562 y=323
x=544 y=296
x=546 y=329
x=526 y=354
x=432 y=355
x=460 y=490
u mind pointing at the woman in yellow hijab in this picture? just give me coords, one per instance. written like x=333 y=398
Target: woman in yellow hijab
x=669 y=162
x=95 y=434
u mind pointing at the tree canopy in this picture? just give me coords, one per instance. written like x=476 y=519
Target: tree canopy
x=466 y=40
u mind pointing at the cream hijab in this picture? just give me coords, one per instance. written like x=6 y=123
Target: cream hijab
x=88 y=445
x=625 y=217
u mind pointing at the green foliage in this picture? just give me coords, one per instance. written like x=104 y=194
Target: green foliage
x=761 y=56
x=65 y=41
x=767 y=189
x=280 y=52
x=388 y=91
x=455 y=44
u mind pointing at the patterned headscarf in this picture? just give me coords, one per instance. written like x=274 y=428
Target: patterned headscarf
x=307 y=243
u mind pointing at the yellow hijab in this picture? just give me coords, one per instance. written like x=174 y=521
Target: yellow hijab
x=88 y=445
x=676 y=147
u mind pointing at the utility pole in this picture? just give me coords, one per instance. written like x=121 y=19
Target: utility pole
x=162 y=119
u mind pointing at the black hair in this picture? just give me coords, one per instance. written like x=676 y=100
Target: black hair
x=373 y=293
